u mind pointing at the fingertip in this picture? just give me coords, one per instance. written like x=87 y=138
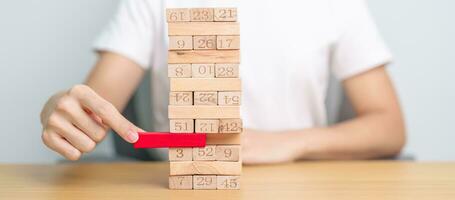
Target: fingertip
x=132 y=136
x=73 y=154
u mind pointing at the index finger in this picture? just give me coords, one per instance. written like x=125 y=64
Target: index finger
x=107 y=112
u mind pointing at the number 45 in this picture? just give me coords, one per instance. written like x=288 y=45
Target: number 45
x=230 y=183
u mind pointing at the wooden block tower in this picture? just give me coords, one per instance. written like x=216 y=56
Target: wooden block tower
x=205 y=96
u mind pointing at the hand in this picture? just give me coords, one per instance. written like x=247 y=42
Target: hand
x=76 y=120
x=268 y=148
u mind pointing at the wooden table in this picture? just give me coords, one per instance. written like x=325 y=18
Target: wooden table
x=305 y=180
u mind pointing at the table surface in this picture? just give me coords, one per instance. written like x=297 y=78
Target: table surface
x=303 y=180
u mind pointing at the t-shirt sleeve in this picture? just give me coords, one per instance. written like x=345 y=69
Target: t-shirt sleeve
x=358 y=46
x=129 y=33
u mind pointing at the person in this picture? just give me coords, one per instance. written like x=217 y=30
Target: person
x=288 y=50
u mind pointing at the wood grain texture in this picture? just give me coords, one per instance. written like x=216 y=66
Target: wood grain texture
x=181 y=182
x=204 y=28
x=178 y=15
x=225 y=14
x=204 y=56
x=181 y=98
x=181 y=125
x=180 y=154
x=229 y=98
x=204 y=42
x=224 y=139
x=204 y=182
x=207 y=125
x=227 y=152
x=205 y=168
x=228 y=42
x=205 y=84
x=340 y=180
x=206 y=98
x=179 y=71
x=203 y=70
x=228 y=182
x=206 y=153
x=180 y=43
x=203 y=112
x=231 y=126
x=201 y=14
x=226 y=70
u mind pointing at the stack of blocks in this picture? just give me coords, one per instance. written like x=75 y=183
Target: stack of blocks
x=205 y=96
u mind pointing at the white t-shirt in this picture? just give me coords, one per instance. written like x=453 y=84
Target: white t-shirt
x=288 y=50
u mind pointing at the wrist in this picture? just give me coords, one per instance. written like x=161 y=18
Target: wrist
x=307 y=143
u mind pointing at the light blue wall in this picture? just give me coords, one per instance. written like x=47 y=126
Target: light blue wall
x=421 y=35
x=45 y=47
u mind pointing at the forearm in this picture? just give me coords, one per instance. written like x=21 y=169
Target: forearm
x=115 y=78
x=374 y=135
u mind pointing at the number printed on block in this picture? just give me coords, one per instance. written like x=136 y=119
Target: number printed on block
x=178 y=15
x=225 y=14
x=228 y=42
x=226 y=70
x=181 y=126
x=204 y=182
x=180 y=43
x=228 y=182
x=181 y=182
x=230 y=126
x=229 y=98
x=204 y=42
x=203 y=70
x=201 y=14
x=228 y=152
x=207 y=125
x=181 y=98
x=207 y=153
x=205 y=98
x=180 y=154
x=179 y=71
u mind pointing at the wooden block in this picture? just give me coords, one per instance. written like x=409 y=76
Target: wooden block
x=180 y=43
x=204 y=28
x=225 y=14
x=179 y=71
x=201 y=14
x=229 y=98
x=178 y=15
x=205 y=153
x=205 y=84
x=224 y=139
x=206 y=98
x=207 y=125
x=203 y=70
x=226 y=70
x=205 y=168
x=227 y=153
x=203 y=112
x=204 y=182
x=204 y=42
x=204 y=56
x=170 y=140
x=181 y=126
x=227 y=42
x=180 y=154
x=181 y=98
x=231 y=126
x=181 y=182
x=228 y=182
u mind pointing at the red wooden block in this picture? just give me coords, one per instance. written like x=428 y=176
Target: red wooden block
x=170 y=140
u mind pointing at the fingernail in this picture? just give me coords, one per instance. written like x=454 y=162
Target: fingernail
x=132 y=136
